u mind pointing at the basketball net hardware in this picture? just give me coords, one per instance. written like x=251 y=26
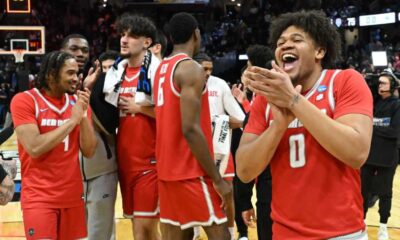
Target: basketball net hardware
x=19 y=55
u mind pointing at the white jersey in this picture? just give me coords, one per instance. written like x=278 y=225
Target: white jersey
x=221 y=99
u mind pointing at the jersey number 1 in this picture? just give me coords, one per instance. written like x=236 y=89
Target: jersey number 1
x=66 y=143
x=297 y=151
x=160 y=97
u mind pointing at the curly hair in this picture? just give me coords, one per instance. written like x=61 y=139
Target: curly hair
x=317 y=26
x=51 y=64
x=137 y=25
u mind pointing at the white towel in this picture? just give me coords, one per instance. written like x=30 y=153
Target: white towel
x=221 y=141
x=113 y=76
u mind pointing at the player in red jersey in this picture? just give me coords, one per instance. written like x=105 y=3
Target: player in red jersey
x=136 y=135
x=51 y=127
x=313 y=126
x=190 y=185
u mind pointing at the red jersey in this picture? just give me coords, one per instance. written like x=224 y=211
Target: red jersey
x=175 y=160
x=136 y=138
x=314 y=195
x=52 y=180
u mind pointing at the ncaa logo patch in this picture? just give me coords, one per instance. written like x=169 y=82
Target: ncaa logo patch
x=322 y=88
x=31 y=232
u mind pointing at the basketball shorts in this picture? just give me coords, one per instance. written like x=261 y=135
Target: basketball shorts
x=55 y=223
x=225 y=166
x=139 y=192
x=189 y=203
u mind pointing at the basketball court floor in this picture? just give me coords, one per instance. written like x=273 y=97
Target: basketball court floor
x=11 y=226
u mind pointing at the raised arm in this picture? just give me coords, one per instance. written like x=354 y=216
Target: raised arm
x=87 y=137
x=352 y=131
x=28 y=134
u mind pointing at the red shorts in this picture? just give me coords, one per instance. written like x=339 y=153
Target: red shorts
x=55 y=223
x=189 y=203
x=139 y=192
x=230 y=170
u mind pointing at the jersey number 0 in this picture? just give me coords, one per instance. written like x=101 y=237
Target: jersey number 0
x=297 y=151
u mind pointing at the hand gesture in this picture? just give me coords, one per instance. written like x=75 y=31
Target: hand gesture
x=249 y=218
x=92 y=76
x=81 y=106
x=238 y=93
x=274 y=84
x=224 y=191
x=10 y=166
x=128 y=105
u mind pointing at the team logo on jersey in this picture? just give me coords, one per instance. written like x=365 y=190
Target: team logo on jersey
x=322 y=88
x=31 y=232
x=319 y=97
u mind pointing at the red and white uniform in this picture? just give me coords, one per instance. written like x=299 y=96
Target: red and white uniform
x=222 y=102
x=314 y=195
x=136 y=139
x=177 y=167
x=53 y=180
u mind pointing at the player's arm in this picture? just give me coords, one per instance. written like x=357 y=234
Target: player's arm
x=87 y=137
x=6 y=187
x=28 y=133
x=255 y=151
x=191 y=80
x=231 y=106
x=37 y=144
x=348 y=137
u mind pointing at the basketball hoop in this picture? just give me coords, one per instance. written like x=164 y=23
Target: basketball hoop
x=19 y=55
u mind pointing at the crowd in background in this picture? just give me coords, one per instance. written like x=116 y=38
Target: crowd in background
x=226 y=33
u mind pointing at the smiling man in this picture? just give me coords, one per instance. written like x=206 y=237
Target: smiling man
x=78 y=46
x=52 y=126
x=313 y=127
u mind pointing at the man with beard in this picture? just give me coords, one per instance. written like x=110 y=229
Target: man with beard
x=313 y=126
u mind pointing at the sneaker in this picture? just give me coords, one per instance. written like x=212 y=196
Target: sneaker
x=383 y=233
x=243 y=238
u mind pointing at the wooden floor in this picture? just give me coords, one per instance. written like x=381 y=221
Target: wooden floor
x=11 y=226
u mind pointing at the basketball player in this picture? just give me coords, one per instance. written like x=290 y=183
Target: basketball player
x=221 y=103
x=313 y=127
x=78 y=46
x=137 y=129
x=51 y=127
x=190 y=185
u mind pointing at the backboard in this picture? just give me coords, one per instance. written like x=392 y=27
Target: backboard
x=17 y=40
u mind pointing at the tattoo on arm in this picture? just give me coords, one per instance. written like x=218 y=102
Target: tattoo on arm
x=6 y=191
x=295 y=99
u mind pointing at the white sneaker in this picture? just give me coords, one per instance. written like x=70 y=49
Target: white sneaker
x=383 y=233
x=243 y=238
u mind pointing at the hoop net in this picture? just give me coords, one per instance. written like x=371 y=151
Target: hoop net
x=19 y=55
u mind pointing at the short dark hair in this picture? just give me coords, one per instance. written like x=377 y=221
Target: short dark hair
x=259 y=55
x=51 y=64
x=317 y=25
x=74 y=35
x=136 y=25
x=181 y=27
x=108 y=55
x=162 y=40
x=201 y=57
